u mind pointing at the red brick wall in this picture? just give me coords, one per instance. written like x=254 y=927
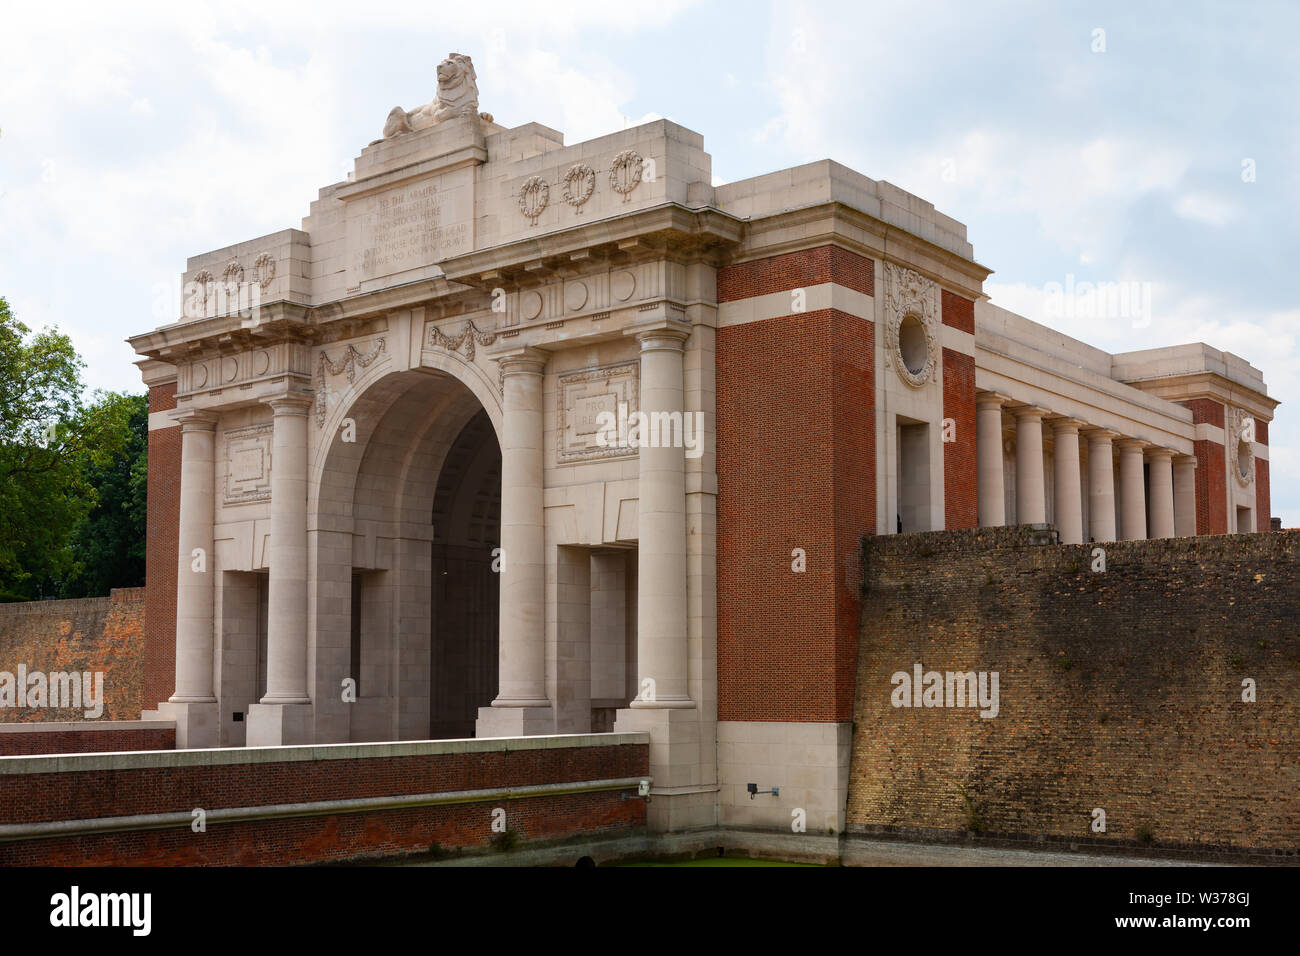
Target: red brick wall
x=796 y=391
x=1263 y=504
x=1211 y=480
x=160 y=557
x=90 y=740
x=794 y=270
x=960 y=465
x=958 y=312
x=71 y=795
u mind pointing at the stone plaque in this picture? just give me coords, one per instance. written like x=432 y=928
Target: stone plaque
x=248 y=464
x=410 y=226
x=584 y=397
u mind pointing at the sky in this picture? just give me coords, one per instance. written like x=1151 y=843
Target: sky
x=1154 y=144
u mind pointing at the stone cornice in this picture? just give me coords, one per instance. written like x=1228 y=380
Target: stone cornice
x=1193 y=385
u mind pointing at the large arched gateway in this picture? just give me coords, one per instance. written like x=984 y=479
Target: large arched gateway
x=516 y=438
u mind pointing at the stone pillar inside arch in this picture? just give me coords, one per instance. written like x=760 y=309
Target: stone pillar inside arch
x=988 y=451
x=1067 y=481
x=522 y=707
x=1185 y=495
x=284 y=714
x=1101 y=484
x=194 y=705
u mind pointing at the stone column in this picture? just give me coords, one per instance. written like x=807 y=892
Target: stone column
x=661 y=528
x=1160 y=463
x=521 y=706
x=1101 y=484
x=988 y=449
x=1067 y=480
x=193 y=705
x=1031 y=490
x=194 y=580
x=1185 y=496
x=1132 y=490
x=283 y=715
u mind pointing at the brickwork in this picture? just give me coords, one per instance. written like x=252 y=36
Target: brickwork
x=958 y=312
x=960 y=463
x=1119 y=690
x=787 y=641
x=72 y=795
x=1263 y=501
x=1211 y=488
x=97 y=635
x=163 y=518
x=89 y=740
x=1205 y=411
x=794 y=270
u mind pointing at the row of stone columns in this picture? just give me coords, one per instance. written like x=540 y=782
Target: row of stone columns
x=1170 y=507
x=287 y=585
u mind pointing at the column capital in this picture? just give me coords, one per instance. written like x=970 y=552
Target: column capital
x=1066 y=424
x=1156 y=452
x=1098 y=434
x=664 y=337
x=289 y=403
x=194 y=419
x=1029 y=412
x=1185 y=461
x=524 y=360
x=986 y=399
x=1128 y=443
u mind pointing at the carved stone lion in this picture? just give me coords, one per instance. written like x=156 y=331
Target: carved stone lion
x=457 y=96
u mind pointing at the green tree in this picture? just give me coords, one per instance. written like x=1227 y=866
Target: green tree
x=50 y=445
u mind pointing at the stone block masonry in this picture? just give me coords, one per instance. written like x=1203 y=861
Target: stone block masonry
x=1120 y=690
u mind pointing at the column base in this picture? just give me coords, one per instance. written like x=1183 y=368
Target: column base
x=279 y=725
x=683 y=792
x=198 y=724
x=515 y=721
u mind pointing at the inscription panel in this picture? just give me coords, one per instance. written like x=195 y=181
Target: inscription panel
x=248 y=464
x=410 y=226
x=583 y=398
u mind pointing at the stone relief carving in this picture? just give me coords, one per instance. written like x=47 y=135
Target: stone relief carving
x=264 y=270
x=579 y=184
x=470 y=336
x=534 y=196
x=582 y=397
x=1242 y=449
x=911 y=296
x=457 y=96
x=347 y=364
x=625 y=173
x=233 y=275
x=248 y=464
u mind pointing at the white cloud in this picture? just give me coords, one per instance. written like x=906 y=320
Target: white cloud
x=1204 y=208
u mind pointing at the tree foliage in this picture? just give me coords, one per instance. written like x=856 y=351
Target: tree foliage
x=71 y=474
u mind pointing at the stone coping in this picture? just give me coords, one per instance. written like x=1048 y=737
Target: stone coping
x=228 y=756
x=84 y=726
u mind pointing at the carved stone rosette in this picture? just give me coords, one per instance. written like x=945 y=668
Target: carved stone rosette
x=534 y=195
x=911 y=295
x=347 y=364
x=1242 y=449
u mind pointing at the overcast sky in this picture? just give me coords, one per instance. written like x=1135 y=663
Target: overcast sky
x=135 y=135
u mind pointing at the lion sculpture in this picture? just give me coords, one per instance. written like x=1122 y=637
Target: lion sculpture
x=457 y=96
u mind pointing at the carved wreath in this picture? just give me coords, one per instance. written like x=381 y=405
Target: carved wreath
x=348 y=364
x=533 y=198
x=264 y=270
x=579 y=184
x=625 y=173
x=1242 y=443
x=911 y=295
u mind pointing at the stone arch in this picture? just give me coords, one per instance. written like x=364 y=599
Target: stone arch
x=370 y=513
